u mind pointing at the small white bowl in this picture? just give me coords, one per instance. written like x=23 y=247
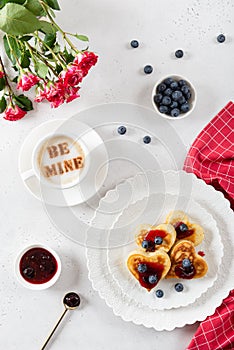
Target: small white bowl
x=192 y=100
x=40 y=286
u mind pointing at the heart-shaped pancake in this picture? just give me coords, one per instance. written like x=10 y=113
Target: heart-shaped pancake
x=148 y=268
x=185 y=262
x=158 y=237
x=184 y=228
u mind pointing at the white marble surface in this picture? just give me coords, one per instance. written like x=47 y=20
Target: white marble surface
x=161 y=26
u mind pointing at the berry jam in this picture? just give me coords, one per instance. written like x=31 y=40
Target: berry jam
x=71 y=300
x=182 y=234
x=201 y=253
x=185 y=272
x=38 y=266
x=150 y=237
x=152 y=269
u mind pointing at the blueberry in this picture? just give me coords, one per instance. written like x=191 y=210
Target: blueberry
x=168 y=92
x=168 y=81
x=174 y=104
x=175 y=112
x=134 y=44
x=148 y=69
x=179 y=53
x=145 y=244
x=29 y=272
x=142 y=268
x=179 y=287
x=158 y=240
x=182 y=82
x=122 y=130
x=188 y=95
x=183 y=227
x=181 y=100
x=221 y=38
x=147 y=139
x=174 y=85
x=153 y=279
x=163 y=109
x=184 y=108
x=185 y=89
x=176 y=95
x=186 y=263
x=161 y=87
x=166 y=101
x=159 y=293
x=158 y=98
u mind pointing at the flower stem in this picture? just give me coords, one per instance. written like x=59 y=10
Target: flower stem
x=38 y=54
x=13 y=53
x=7 y=82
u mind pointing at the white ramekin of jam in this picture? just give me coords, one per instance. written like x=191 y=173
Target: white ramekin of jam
x=38 y=267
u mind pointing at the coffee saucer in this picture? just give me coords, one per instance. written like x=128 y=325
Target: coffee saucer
x=90 y=183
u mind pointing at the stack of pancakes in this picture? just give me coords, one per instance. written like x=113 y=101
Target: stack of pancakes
x=175 y=242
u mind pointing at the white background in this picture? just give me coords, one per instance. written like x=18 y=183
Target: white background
x=161 y=27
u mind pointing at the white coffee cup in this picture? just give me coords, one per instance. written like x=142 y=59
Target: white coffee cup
x=59 y=161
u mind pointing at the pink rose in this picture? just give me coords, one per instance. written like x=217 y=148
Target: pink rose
x=72 y=76
x=84 y=61
x=72 y=94
x=1 y=74
x=14 y=113
x=27 y=81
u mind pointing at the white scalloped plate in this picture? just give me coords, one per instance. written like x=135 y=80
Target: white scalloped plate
x=127 y=308
x=153 y=210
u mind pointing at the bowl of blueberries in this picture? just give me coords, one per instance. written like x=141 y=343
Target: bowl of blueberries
x=174 y=97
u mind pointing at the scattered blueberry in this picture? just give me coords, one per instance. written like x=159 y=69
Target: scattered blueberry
x=153 y=279
x=168 y=81
x=148 y=69
x=147 y=139
x=186 y=263
x=134 y=44
x=158 y=240
x=168 y=92
x=176 y=95
x=166 y=101
x=142 y=268
x=161 y=87
x=174 y=85
x=163 y=109
x=184 y=107
x=29 y=272
x=145 y=244
x=179 y=287
x=221 y=38
x=185 y=89
x=159 y=293
x=179 y=53
x=122 y=130
x=175 y=112
x=158 y=98
x=182 y=82
x=174 y=104
x=183 y=227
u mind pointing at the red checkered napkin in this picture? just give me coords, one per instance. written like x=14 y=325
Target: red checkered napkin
x=211 y=158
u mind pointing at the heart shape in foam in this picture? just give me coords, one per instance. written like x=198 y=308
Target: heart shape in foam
x=157 y=264
x=197 y=268
x=149 y=233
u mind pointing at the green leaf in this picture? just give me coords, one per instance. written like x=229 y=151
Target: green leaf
x=47 y=28
x=58 y=68
x=23 y=102
x=53 y=4
x=2 y=3
x=10 y=44
x=35 y=7
x=15 y=80
x=50 y=40
x=25 y=38
x=41 y=69
x=68 y=56
x=15 y=1
x=17 y=20
x=24 y=61
x=3 y=104
x=2 y=83
x=81 y=37
x=56 y=48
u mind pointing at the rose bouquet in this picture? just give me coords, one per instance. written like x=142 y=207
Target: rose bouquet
x=42 y=56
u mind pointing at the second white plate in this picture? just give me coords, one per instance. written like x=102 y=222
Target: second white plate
x=153 y=210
